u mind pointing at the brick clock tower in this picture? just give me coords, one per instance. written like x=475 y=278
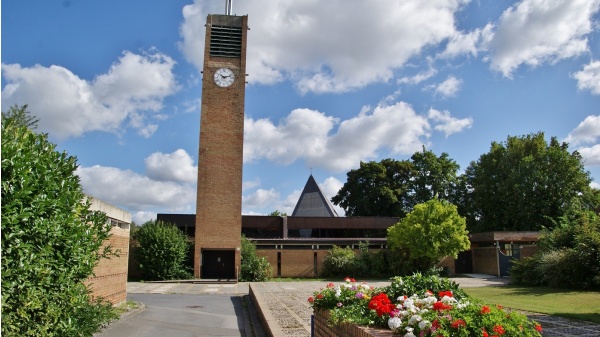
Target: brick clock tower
x=219 y=200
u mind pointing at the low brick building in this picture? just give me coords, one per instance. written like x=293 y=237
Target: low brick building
x=110 y=275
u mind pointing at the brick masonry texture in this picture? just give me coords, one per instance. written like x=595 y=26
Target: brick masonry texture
x=110 y=280
x=219 y=198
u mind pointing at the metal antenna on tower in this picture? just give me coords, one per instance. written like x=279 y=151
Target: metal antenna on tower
x=228 y=7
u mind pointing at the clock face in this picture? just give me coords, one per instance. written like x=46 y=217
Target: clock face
x=224 y=77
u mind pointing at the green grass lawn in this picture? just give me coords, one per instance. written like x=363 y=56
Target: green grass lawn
x=583 y=305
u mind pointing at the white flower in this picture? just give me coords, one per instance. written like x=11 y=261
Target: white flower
x=338 y=292
x=409 y=333
x=424 y=324
x=394 y=323
x=414 y=319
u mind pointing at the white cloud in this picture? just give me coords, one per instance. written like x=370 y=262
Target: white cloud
x=330 y=187
x=448 y=124
x=247 y=185
x=142 y=217
x=135 y=192
x=589 y=77
x=590 y=155
x=177 y=166
x=449 y=87
x=261 y=198
x=418 y=78
x=309 y=135
x=302 y=133
x=67 y=106
x=328 y=46
x=468 y=43
x=538 y=31
x=588 y=131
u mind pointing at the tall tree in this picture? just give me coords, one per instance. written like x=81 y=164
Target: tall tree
x=434 y=177
x=392 y=188
x=376 y=189
x=524 y=183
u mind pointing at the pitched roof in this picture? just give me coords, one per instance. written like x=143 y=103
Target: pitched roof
x=312 y=202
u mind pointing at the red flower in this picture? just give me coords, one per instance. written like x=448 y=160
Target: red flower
x=485 y=310
x=440 y=306
x=459 y=323
x=538 y=328
x=435 y=324
x=445 y=293
x=330 y=285
x=311 y=299
x=499 y=329
x=484 y=333
x=320 y=296
x=382 y=304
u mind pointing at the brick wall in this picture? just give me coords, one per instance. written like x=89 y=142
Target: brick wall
x=219 y=194
x=528 y=250
x=296 y=262
x=485 y=260
x=322 y=328
x=110 y=280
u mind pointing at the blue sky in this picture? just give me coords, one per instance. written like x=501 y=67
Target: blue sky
x=331 y=83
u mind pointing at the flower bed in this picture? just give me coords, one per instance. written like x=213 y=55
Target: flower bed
x=424 y=306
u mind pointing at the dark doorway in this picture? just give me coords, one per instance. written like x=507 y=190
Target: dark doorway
x=464 y=263
x=218 y=264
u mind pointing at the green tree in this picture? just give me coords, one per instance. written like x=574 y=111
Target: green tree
x=254 y=268
x=163 y=251
x=278 y=213
x=523 y=184
x=51 y=241
x=432 y=231
x=376 y=189
x=434 y=177
x=393 y=188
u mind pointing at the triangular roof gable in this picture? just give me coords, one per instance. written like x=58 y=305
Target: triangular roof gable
x=312 y=202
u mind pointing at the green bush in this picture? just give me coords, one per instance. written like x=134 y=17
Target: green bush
x=569 y=256
x=254 y=268
x=416 y=283
x=339 y=262
x=162 y=251
x=51 y=241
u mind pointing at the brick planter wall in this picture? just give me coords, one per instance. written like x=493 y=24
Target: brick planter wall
x=322 y=329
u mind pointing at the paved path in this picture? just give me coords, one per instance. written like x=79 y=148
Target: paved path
x=286 y=309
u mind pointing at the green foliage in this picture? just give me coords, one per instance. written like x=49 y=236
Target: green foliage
x=376 y=189
x=339 y=261
x=569 y=256
x=524 y=184
x=51 y=241
x=278 y=213
x=432 y=231
x=392 y=188
x=20 y=116
x=163 y=251
x=416 y=283
x=254 y=268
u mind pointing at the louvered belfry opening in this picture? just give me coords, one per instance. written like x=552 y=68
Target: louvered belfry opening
x=225 y=41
